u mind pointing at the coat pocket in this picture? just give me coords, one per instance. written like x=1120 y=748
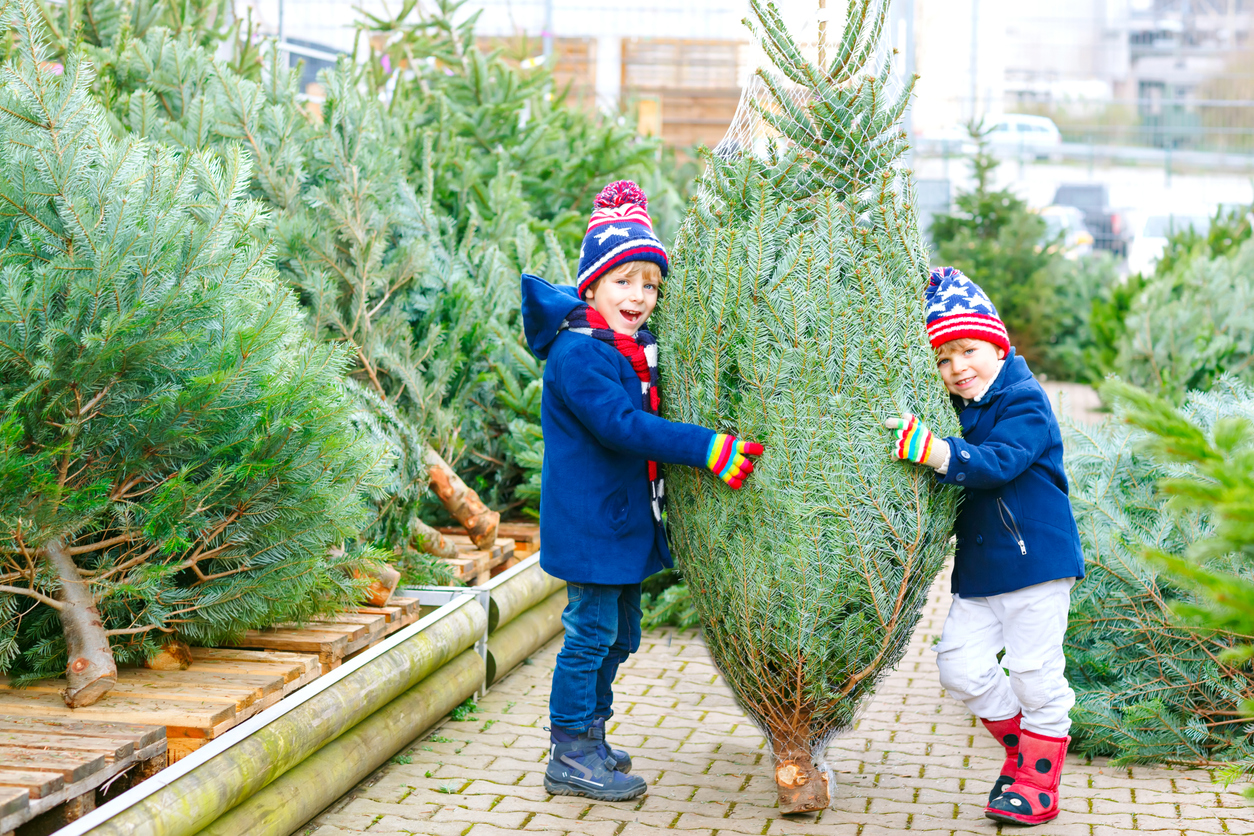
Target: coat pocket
x=1012 y=525
x=618 y=509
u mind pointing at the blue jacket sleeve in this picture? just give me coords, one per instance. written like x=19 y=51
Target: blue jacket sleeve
x=589 y=384
x=1020 y=436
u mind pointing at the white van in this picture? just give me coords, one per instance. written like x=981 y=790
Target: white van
x=1021 y=135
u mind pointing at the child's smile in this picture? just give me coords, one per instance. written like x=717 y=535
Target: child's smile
x=968 y=366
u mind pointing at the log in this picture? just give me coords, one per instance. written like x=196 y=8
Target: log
x=479 y=520
x=91 y=671
x=175 y=656
x=427 y=539
x=195 y=800
x=802 y=787
x=383 y=581
x=523 y=636
x=520 y=593
x=339 y=766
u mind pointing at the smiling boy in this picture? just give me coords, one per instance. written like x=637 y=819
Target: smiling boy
x=600 y=490
x=1018 y=550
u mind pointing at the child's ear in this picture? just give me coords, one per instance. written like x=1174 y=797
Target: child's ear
x=1001 y=354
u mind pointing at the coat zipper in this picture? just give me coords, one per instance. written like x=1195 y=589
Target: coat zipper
x=1012 y=526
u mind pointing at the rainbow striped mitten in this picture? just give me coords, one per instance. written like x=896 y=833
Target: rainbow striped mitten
x=914 y=442
x=727 y=458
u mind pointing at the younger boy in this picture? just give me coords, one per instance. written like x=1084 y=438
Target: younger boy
x=1018 y=548
x=601 y=494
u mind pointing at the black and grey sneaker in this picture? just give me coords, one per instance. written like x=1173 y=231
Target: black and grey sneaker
x=578 y=767
x=622 y=760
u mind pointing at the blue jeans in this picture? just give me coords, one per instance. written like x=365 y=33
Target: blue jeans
x=602 y=629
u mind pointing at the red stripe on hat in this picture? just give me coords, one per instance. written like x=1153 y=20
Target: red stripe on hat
x=629 y=213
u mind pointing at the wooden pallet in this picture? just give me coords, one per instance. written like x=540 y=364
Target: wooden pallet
x=221 y=688
x=526 y=536
x=474 y=566
x=339 y=637
x=50 y=768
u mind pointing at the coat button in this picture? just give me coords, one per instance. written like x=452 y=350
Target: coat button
x=966 y=454
x=961 y=477
x=979 y=539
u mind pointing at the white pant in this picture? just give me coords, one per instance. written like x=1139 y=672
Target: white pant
x=1029 y=623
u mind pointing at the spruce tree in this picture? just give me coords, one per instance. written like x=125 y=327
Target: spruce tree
x=793 y=316
x=176 y=455
x=1156 y=683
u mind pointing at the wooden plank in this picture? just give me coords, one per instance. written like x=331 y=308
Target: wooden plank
x=351 y=629
x=140 y=735
x=292 y=666
x=13 y=800
x=523 y=533
x=301 y=640
x=37 y=784
x=112 y=748
x=239 y=691
x=114 y=708
x=72 y=766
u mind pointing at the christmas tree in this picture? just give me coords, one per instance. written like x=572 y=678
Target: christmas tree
x=793 y=316
x=176 y=455
x=1154 y=686
x=375 y=266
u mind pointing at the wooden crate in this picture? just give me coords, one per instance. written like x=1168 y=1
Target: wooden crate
x=339 y=637
x=526 y=536
x=50 y=768
x=221 y=688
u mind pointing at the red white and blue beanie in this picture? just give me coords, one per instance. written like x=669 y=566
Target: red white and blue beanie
x=957 y=309
x=619 y=231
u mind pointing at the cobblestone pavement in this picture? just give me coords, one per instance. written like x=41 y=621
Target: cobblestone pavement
x=915 y=761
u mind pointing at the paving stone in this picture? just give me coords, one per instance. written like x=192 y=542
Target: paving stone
x=916 y=760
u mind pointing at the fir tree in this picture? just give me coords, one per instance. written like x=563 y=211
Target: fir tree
x=1151 y=686
x=793 y=316
x=176 y=455
x=375 y=266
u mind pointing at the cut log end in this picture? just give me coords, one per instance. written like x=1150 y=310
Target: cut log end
x=174 y=656
x=802 y=788
x=90 y=692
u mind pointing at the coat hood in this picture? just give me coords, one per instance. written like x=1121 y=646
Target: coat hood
x=544 y=309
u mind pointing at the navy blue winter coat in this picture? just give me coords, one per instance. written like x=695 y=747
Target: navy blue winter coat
x=596 y=521
x=1015 y=527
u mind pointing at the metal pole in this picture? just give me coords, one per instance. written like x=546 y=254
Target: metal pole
x=975 y=52
x=547 y=35
x=286 y=58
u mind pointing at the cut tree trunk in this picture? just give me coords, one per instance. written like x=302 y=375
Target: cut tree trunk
x=802 y=787
x=173 y=656
x=383 y=582
x=479 y=520
x=427 y=539
x=91 y=671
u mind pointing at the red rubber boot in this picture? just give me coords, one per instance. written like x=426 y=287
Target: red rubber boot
x=1005 y=732
x=1033 y=797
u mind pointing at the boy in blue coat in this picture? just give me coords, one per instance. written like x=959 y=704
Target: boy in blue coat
x=1018 y=548
x=601 y=494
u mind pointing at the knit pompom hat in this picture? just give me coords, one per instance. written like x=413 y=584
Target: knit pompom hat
x=958 y=309
x=619 y=231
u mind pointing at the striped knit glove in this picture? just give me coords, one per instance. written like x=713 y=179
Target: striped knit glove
x=916 y=443
x=727 y=458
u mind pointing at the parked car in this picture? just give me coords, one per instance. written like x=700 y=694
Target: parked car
x=1150 y=239
x=1019 y=134
x=1107 y=226
x=1067 y=223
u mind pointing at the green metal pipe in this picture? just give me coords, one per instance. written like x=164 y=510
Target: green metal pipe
x=288 y=803
x=520 y=593
x=195 y=800
x=526 y=634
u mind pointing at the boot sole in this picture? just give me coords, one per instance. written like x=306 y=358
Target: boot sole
x=554 y=788
x=1008 y=818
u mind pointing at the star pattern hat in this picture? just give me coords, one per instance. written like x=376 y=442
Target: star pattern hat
x=619 y=231
x=958 y=309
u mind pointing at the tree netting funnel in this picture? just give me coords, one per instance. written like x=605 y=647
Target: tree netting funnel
x=793 y=316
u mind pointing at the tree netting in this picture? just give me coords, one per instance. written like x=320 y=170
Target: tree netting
x=793 y=316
